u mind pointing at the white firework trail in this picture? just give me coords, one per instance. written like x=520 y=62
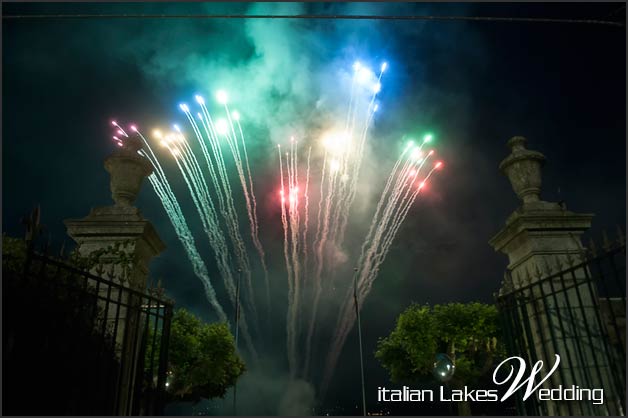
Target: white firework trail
x=222 y=187
x=342 y=183
x=311 y=258
x=252 y=212
x=290 y=335
x=177 y=145
x=163 y=190
x=399 y=194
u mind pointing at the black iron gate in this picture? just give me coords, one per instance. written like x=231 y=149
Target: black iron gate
x=574 y=308
x=77 y=343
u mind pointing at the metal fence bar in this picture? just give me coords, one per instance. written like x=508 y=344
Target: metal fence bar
x=112 y=311
x=566 y=311
x=513 y=340
x=563 y=332
x=607 y=352
x=550 y=325
x=163 y=358
x=588 y=328
x=608 y=296
x=531 y=347
x=123 y=350
x=136 y=358
x=148 y=376
x=576 y=336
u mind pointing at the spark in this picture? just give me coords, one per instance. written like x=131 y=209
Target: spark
x=222 y=127
x=335 y=143
x=221 y=97
x=364 y=75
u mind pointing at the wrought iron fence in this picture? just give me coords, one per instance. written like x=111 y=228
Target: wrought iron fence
x=574 y=306
x=77 y=343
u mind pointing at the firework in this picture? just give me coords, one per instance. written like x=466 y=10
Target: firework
x=322 y=185
x=401 y=190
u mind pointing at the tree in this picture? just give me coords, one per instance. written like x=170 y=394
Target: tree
x=203 y=362
x=468 y=333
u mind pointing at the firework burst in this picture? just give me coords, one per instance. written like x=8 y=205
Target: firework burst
x=322 y=188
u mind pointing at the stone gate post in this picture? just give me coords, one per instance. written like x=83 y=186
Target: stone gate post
x=122 y=223
x=540 y=234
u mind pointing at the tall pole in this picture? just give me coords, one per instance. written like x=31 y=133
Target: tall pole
x=357 y=312
x=237 y=329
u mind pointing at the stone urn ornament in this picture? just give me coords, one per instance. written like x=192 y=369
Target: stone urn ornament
x=127 y=169
x=523 y=169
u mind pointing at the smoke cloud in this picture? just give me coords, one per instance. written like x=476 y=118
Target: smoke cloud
x=466 y=82
x=291 y=78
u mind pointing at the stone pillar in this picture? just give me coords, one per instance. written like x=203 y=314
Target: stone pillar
x=539 y=237
x=121 y=223
x=537 y=231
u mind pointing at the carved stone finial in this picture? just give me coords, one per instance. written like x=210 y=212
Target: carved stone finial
x=523 y=169
x=127 y=169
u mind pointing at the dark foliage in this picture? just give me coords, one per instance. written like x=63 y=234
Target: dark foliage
x=54 y=360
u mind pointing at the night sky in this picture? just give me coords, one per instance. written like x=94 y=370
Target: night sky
x=473 y=84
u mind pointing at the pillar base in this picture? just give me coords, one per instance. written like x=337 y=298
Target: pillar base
x=111 y=225
x=538 y=232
